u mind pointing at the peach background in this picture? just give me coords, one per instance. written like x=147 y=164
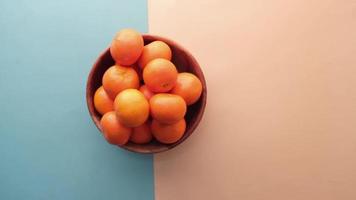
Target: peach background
x=281 y=113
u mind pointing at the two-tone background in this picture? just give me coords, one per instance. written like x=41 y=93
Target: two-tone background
x=279 y=123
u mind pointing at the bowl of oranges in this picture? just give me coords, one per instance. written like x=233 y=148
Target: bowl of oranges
x=146 y=93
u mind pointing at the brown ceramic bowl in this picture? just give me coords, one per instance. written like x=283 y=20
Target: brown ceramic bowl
x=184 y=62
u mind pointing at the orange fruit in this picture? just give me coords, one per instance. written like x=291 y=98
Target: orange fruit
x=160 y=75
x=126 y=47
x=188 y=86
x=141 y=134
x=102 y=102
x=114 y=131
x=168 y=133
x=167 y=108
x=132 y=107
x=118 y=78
x=156 y=49
x=147 y=92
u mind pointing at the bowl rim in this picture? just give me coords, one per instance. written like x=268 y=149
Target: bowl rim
x=198 y=72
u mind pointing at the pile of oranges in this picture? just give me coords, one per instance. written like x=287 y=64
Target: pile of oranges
x=143 y=96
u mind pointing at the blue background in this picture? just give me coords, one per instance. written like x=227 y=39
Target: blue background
x=49 y=147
